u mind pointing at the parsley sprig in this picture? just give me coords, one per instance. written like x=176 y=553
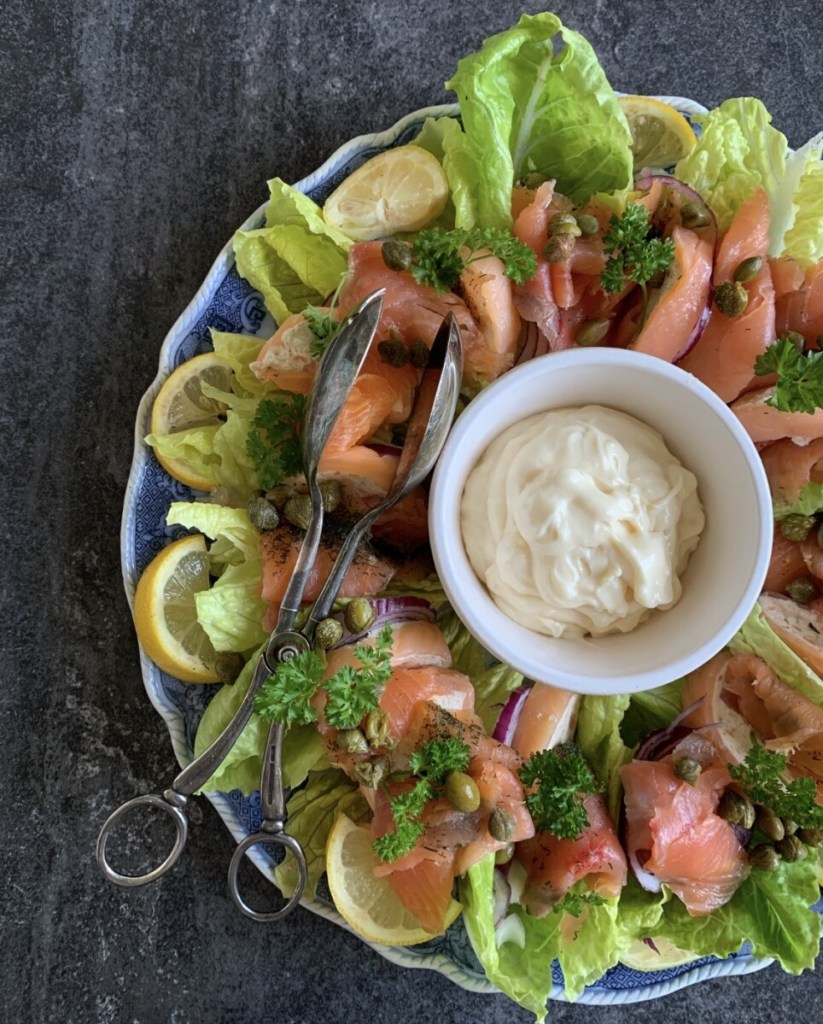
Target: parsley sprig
x=273 y=442
x=762 y=776
x=431 y=762
x=799 y=386
x=323 y=326
x=575 y=903
x=562 y=777
x=633 y=256
x=286 y=694
x=439 y=256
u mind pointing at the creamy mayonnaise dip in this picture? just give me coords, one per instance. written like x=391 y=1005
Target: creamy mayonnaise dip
x=580 y=521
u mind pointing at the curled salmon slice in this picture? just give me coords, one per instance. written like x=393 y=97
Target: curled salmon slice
x=799 y=628
x=535 y=298
x=801 y=310
x=547 y=717
x=411 y=689
x=786 y=564
x=790 y=467
x=554 y=865
x=764 y=423
x=285 y=359
x=414 y=645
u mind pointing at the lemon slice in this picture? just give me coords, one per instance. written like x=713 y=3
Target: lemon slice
x=661 y=135
x=403 y=189
x=181 y=404
x=641 y=957
x=165 y=616
x=367 y=903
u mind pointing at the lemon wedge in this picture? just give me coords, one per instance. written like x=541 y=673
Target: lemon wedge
x=661 y=135
x=367 y=903
x=181 y=404
x=403 y=189
x=165 y=615
x=641 y=957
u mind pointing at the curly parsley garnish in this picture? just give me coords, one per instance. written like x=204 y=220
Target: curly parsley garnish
x=439 y=256
x=432 y=762
x=762 y=776
x=799 y=386
x=632 y=255
x=273 y=442
x=286 y=694
x=562 y=777
x=323 y=326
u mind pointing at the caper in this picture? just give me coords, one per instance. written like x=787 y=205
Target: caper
x=377 y=727
x=262 y=514
x=280 y=494
x=769 y=823
x=502 y=825
x=372 y=772
x=791 y=848
x=462 y=792
x=694 y=215
x=332 y=494
x=532 y=179
x=359 y=615
x=396 y=255
x=748 y=269
x=731 y=298
x=764 y=857
x=394 y=351
x=564 y=224
x=505 y=855
x=419 y=354
x=353 y=741
x=297 y=511
x=558 y=248
x=789 y=826
x=687 y=769
x=588 y=224
x=811 y=836
x=803 y=590
x=736 y=809
x=592 y=332
x=796 y=527
x=328 y=633
x=794 y=338
x=228 y=665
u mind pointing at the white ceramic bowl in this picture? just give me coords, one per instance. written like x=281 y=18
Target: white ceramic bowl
x=725 y=573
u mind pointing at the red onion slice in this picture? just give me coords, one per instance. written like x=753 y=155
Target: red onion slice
x=510 y=715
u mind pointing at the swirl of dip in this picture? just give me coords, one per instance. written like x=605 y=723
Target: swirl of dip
x=580 y=521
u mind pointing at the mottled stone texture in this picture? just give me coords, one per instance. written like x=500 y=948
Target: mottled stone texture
x=136 y=137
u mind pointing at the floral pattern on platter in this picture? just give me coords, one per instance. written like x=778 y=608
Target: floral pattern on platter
x=226 y=302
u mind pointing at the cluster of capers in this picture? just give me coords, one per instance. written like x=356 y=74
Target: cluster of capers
x=563 y=228
x=358 y=616
x=731 y=297
x=798 y=528
x=784 y=839
x=265 y=511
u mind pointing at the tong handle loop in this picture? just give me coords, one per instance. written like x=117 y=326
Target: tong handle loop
x=171 y=803
x=291 y=845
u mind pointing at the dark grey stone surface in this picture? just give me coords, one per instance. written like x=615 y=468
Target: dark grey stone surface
x=135 y=138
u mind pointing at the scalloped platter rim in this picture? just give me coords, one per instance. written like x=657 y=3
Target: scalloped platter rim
x=228 y=303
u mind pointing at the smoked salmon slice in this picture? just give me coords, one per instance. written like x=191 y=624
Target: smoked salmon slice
x=764 y=423
x=801 y=629
x=286 y=359
x=414 y=645
x=802 y=310
x=786 y=565
x=411 y=688
x=790 y=467
x=534 y=298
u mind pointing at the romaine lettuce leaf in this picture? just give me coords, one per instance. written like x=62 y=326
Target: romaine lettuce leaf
x=598 y=736
x=527 y=109
x=194 y=446
x=231 y=611
x=771 y=910
x=649 y=710
x=740 y=151
x=807 y=503
x=296 y=259
x=239 y=350
x=312 y=811
x=755 y=636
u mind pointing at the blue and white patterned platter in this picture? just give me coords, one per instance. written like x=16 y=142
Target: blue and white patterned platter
x=228 y=303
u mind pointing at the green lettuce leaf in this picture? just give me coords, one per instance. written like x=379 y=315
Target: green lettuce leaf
x=429 y=588
x=296 y=259
x=740 y=151
x=303 y=748
x=771 y=910
x=755 y=636
x=649 y=710
x=807 y=503
x=528 y=110
x=194 y=446
x=231 y=611
x=598 y=736
x=493 y=683
x=312 y=811
x=239 y=350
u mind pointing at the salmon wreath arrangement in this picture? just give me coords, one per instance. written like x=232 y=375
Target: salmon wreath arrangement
x=427 y=781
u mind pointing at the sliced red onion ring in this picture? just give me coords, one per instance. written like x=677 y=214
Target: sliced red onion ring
x=648 y=176
x=510 y=715
x=501 y=893
x=529 y=336
x=696 y=334
x=650 y=882
x=389 y=610
x=662 y=741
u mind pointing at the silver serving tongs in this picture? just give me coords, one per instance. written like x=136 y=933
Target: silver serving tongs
x=335 y=377
x=429 y=424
